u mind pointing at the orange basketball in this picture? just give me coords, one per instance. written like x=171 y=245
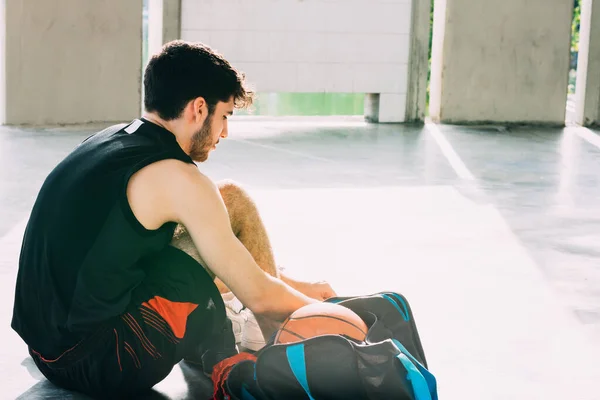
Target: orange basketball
x=321 y=319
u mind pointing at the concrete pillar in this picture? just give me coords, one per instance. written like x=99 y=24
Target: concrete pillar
x=164 y=23
x=71 y=61
x=2 y=63
x=418 y=62
x=409 y=107
x=371 y=107
x=587 y=96
x=500 y=61
x=155 y=26
x=171 y=20
x=385 y=107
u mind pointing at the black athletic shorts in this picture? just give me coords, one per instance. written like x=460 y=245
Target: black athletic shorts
x=177 y=312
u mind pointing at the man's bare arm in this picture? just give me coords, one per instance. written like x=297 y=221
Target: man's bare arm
x=194 y=201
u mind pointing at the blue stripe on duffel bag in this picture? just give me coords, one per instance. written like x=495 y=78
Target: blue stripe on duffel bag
x=423 y=381
x=403 y=313
x=417 y=380
x=297 y=362
x=246 y=395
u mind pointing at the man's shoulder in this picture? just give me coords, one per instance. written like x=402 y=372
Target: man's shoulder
x=173 y=176
x=162 y=191
x=173 y=169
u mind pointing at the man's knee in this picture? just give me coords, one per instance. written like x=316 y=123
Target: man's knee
x=232 y=192
x=240 y=205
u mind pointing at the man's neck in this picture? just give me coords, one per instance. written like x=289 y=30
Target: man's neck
x=155 y=119
x=168 y=125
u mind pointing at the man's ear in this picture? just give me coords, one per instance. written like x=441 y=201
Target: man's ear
x=199 y=109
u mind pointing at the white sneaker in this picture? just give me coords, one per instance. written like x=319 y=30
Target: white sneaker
x=245 y=327
x=252 y=336
x=233 y=309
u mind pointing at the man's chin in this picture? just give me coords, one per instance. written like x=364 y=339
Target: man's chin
x=200 y=158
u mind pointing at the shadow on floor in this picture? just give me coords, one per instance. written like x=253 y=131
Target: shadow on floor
x=199 y=387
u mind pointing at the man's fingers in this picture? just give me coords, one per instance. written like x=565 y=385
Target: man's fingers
x=328 y=291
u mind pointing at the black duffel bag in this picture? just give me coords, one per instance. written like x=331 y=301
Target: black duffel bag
x=389 y=364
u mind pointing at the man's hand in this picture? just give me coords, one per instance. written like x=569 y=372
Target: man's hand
x=319 y=290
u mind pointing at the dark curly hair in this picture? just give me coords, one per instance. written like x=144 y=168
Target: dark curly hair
x=183 y=71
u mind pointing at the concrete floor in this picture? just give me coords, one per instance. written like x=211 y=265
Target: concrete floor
x=491 y=233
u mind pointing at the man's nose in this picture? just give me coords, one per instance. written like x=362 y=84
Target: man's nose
x=225 y=131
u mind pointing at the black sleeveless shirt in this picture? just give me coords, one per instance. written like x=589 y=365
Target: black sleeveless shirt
x=83 y=249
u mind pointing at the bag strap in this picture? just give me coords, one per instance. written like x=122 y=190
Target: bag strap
x=423 y=381
x=417 y=380
x=297 y=362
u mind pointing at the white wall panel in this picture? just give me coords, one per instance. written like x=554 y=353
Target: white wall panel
x=359 y=46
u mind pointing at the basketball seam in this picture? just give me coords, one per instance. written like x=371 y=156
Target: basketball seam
x=332 y=317
x=292 y=333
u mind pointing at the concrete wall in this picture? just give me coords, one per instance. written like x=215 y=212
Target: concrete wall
x=2 y=62
x=358 y=46
x=72 y=61
x=587 y=96
x=501 y=61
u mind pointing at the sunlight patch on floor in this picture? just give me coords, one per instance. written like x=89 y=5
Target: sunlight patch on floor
x=483 y=308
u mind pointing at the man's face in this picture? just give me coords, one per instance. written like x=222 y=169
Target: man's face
x=205 y=139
